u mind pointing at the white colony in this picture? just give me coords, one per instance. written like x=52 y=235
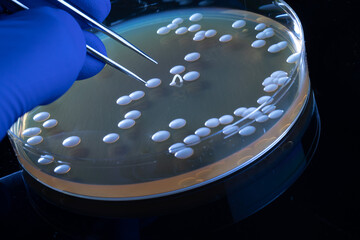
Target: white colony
x=42 y=116
x=172 y=26
x=126 y=123
x=225 y=38
x=30 y=132
x=293 y=58
x=277 y=47
x=261 y=118
x=111 y=138
x=194 y=28
x=278 y=74
x=282 y=80
x=71 y=141
x=50 y=123
x=184 y=153
x=264 y=99
x=62 y=169
x=269 y=108
x=191 y=76
x=199 y=37
x=202 y=33
x=203 y=132
x=176 y=147
x=258 y=43
x=260 y=27
x=192 y=139
x=178 y=21
x=248 y=130
x=137 y=95
x=240 y=111
x=210 y=33
x=153 y=83
x=226 y=119
x=230 y=129
x=276 y=114
x=134 y=114
x=35 y=140
x=239 y=24
x=177 y=69
x=192 y=57
x=181 y=30
x=270 y=88
x=212 y=123
x=177 y=123
x=45 y=159
x=267 y=81
x=123 y=100
x=196 y=17
x=161 y=136
x=163 y=31
x=267 y=33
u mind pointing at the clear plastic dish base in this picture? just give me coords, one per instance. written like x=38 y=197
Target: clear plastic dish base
x=132 y=176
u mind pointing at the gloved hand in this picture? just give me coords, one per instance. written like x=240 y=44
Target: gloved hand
x=42 y=52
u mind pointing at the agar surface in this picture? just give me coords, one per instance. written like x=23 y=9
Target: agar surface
x=230 y=123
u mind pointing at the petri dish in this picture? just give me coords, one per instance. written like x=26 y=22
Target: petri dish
x=231 y=93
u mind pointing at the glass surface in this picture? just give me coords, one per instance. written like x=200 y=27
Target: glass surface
x=244 y=82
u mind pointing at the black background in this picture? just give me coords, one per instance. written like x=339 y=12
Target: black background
x=324 y=202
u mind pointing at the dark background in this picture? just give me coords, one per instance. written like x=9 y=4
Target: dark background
x=324 y=202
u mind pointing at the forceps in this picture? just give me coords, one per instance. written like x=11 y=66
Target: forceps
x=106 y=31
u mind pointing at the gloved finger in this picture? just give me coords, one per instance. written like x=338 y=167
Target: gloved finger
x=92 y=65
x=97 y=9
x=42 y=53
x=8 y=7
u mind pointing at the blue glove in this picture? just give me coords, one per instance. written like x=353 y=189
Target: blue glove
x=42 y=52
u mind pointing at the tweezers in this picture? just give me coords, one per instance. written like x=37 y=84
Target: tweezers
x=108 y=32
